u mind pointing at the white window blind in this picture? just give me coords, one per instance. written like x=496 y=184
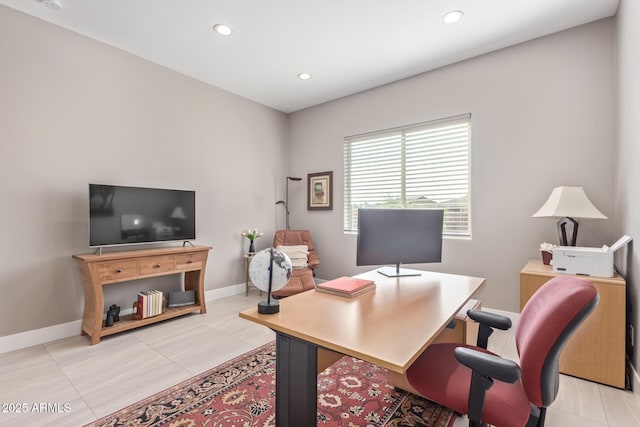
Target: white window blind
x=419 y=166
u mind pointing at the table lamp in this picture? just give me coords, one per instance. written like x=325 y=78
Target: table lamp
x=568 y=203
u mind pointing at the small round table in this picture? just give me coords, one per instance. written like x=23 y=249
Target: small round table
x=247 y=261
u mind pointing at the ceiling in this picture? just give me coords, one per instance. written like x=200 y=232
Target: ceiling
x=347 y=46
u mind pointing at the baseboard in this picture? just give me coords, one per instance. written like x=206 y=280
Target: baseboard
x=635 y=380
x=39 y=336
x=65 y=330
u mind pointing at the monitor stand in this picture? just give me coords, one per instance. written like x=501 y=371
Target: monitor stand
x=398 y=272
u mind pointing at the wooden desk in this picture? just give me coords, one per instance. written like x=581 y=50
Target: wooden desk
x=596 y=351
x=389 y=326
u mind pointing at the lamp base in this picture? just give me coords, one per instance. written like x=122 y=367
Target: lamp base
x=269 y=307
x=562 y=231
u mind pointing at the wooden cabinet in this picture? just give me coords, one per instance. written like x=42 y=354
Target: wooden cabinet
x=596 y=351
x=98 y=270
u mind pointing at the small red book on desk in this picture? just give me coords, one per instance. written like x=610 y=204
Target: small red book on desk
x=346 y=286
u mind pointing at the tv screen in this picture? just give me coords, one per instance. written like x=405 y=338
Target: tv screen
x=128 y=215
x=399 y=236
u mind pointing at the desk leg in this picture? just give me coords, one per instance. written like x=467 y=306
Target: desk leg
x=296 y=382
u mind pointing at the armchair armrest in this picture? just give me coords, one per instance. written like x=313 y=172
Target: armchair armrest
x=314 y=261
x=485 y=367
x=488 y=321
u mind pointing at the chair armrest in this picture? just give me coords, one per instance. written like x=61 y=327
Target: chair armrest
x=488 y=365
x=490 y=319
x=313 y=260
x=485 y=367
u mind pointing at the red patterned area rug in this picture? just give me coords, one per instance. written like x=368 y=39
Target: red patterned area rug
x=241 y=393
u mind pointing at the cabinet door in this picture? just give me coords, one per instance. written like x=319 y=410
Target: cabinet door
x=596 y=350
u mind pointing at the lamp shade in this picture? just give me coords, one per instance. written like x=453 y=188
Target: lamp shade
x=569 y=202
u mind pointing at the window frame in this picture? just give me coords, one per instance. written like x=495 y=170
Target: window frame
x=399 y=136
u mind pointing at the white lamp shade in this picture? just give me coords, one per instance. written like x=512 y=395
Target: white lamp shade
x=569 y=202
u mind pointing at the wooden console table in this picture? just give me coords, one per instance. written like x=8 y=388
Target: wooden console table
x=115 y=267
x=596 y=351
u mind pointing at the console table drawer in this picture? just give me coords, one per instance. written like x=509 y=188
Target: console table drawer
x=117 y=270
x=155 y=265
x=189 y=261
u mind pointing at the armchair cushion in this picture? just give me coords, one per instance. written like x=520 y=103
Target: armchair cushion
x=300 y=281
x=294 y=238
x=299 y=255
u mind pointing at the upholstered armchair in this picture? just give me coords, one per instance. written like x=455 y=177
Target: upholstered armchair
x=293 y=242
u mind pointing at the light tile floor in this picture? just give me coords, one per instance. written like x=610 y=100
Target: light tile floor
x=70 y=383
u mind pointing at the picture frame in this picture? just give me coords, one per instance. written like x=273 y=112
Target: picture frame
x=320 y=191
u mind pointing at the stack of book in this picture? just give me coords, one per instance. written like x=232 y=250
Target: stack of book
x=346 y=286
x=149 y=304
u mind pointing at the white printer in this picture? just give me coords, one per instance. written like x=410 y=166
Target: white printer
x=587 y=261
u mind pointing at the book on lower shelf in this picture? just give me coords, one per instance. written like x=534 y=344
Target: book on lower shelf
x=346 y=286
x=149 y=304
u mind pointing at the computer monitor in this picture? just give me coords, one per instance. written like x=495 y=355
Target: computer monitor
x=399 y=236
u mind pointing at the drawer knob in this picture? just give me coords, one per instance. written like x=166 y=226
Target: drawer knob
x=119 y=270
x=156 y=266
x=189 y=262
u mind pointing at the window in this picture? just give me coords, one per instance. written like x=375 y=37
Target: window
x=419 y=166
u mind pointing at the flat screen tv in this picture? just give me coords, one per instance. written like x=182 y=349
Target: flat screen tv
x=399 y=236
x=121 y=215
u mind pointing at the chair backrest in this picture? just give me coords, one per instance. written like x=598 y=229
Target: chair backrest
x=295 y=238
x=546 y=323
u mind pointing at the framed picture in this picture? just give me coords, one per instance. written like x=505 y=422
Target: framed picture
x=320 y=191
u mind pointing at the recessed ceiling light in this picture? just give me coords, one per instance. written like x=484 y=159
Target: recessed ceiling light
x=304 y=76
x=452 y=16
x=52 y=4
x=222 y=29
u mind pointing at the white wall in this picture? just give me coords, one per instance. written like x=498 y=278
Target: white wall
x=75 y=111
x=542 y=116
x=628 y=154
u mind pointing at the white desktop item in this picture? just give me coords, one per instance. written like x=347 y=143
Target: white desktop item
x=587 y=261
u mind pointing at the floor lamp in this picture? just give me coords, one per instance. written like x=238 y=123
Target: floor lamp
x=285 y=202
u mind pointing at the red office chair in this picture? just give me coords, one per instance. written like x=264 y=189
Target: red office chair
x=497 y=391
